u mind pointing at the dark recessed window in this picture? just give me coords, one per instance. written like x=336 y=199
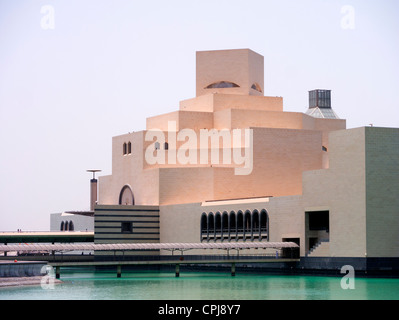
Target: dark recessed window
x=324 y=148
x=223 y=84
x=256 y=87
x=166 y=146
x=129 y=148
x=319 y=220
x=124 y=148
x=127 y=227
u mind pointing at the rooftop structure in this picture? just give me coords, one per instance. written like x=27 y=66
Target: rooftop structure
x=320 y=105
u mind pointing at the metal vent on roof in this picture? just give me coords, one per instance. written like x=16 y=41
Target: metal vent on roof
x=320 y=105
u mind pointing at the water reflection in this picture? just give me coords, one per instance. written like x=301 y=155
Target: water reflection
x=205 y=286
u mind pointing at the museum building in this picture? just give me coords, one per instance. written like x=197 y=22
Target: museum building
x=232 y=165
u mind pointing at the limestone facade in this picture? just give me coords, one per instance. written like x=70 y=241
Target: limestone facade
x=330 y=189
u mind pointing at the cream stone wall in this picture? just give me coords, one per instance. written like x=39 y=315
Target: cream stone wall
x=182 y=120
x=185 y=185
x=287 y=219
x=341 y=190
x=128 y=170
x=217 y=102
x=181 y=222
x=160 y=122
x=361 y=191
x=279 y=158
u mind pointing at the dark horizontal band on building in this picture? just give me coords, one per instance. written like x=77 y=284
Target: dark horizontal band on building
x=128 y=233
x=136 y=227
x=129 y=210
x=127 y=215
x=122 y=238
x=135 y=221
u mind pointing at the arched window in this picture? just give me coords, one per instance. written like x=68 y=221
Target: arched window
x=264 y=225
x=166 y=146
x=225 y=225
x=240 y=225
x=126 y=196
x=211 y=226
x=222 y=84
x=129 y=148
x=204 y=226
x=71 y=226
x=218 y=225
x=66 y=226
x=247 y=225
x=256 y=87
x=124 y=148
x=255 y=225
x=62 y=226
x=233 y=225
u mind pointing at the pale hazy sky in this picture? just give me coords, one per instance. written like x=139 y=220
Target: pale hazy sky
x=104 y=66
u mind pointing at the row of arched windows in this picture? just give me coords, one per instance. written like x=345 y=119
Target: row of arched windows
x=67 y=226
x=228 y=226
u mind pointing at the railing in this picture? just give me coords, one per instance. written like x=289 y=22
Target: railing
x=188 y=258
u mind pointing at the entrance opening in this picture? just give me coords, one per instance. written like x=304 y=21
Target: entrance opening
x=317 y=228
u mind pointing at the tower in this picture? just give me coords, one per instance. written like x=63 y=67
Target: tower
x=230 y=72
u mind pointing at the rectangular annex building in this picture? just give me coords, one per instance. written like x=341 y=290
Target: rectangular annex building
x=126 y=224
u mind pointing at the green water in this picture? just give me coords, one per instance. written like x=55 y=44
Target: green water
x=203 y=286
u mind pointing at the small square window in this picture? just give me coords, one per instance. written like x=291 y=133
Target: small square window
x=127 y=227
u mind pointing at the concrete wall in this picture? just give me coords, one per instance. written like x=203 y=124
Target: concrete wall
x=341 y=189
x=80 y=222
x=181 y=222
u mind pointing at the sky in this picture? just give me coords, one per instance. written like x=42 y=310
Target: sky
x=73 y=74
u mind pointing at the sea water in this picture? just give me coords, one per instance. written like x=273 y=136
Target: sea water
x=138 y=285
